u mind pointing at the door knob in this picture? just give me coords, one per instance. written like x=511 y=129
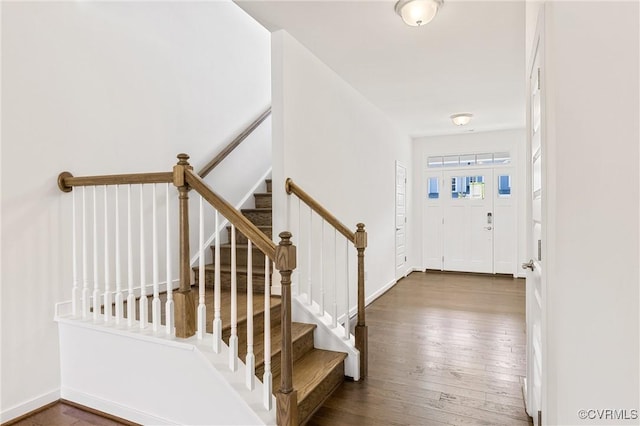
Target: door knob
x=528 y=265
x=488 y=228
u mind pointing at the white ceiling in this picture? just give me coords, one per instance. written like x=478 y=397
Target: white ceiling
x=470 y=58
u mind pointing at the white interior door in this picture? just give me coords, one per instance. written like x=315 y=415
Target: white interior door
x=468 y=220
x=401 y=220
x=535 y=295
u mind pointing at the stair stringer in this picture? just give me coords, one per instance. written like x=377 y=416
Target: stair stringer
x=326 y=337
x=154 y=379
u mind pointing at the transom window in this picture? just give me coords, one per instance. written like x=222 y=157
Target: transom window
x=464 y=160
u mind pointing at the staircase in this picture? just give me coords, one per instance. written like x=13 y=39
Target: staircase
x=316 y=372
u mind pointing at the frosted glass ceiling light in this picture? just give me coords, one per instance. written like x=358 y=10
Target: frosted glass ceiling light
x=461 y=119
x=417 y=12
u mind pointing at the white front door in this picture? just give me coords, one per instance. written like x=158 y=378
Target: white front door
x=535 y=295
x=401 y=220
x=468 y=220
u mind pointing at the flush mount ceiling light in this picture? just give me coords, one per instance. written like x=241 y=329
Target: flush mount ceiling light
x=417 y=12
x=461 y=119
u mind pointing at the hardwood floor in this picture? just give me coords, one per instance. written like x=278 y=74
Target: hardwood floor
x=63 y=413
x=444 y=349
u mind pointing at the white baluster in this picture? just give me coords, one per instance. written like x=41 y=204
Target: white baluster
x=267 y=377
x=347 y=326
x=334 y=312
x=321 y=301
x=202 y=309
x=108 y=296
x=250 y=360
x=297 y=272
x=119 y=295
x=96 y=288
x=169 y=317
x=75 y=292
x=156 y=306
x=217 y=321
x=85 y=272
x=131 y=298
x=310 y=267
x=233 y=340
x=144 y=313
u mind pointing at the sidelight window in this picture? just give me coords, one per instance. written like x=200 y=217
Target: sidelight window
x=433 y=191
x=504 y=186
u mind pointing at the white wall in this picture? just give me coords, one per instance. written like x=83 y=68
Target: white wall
x=338 y=147
x=593 y=110
x=512 y=141
x=98 y=88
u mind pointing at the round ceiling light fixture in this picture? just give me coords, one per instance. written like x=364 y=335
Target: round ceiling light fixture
x=461 y=119
x=417 y=12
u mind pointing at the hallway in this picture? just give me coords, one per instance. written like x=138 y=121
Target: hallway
x=444 y=349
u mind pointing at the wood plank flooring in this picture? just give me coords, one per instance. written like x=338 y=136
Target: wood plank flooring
x=64 y=413
x=444 y=349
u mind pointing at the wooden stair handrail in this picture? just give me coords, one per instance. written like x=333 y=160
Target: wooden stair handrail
x=233 y=144
x=66 y=181
x=359 y=240
x=244 y=225
x=291 y=187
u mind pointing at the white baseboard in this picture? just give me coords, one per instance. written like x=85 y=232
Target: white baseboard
x=380 y=292
x=354 y=310
x=29 y=406
x=112 y=408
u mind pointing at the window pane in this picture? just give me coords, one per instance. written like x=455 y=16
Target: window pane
x=456 y=187
x=504 y=186
x=467 y=187
x=433 y=192
x=484 y=159
x=467 y=160
x=501 y=158
x=476 y=191
x=451 y=161
x=434 y=162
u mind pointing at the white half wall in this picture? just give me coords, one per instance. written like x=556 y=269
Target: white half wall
x=103 y=88
x=513 y=141
x=590 y=77
x=155 y=380
x=340 y=149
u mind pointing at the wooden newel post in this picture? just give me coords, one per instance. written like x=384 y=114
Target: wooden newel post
x=287 y=397
x=184 y=303
x=361 y=327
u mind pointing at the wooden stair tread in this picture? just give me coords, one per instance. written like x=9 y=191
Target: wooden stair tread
x=310 y=371
x=259 y=210
x=243 y=246
x=225 y=307
x=298 y=330
x=260 y=227
x=227 y=268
